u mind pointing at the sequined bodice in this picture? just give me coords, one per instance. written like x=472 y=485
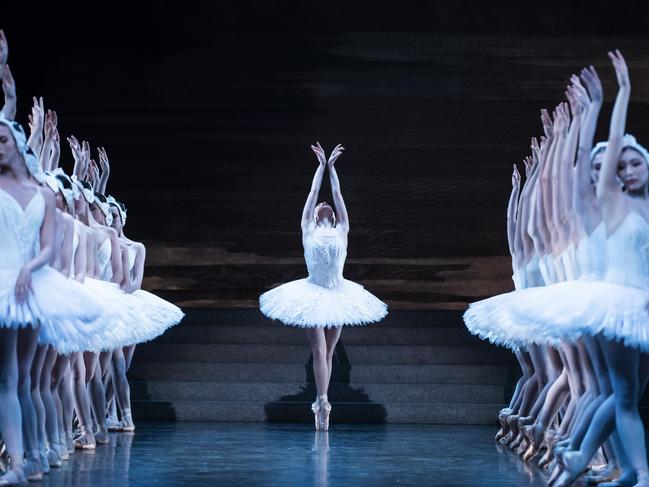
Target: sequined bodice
x=325 y=252
x=627 y=251
x=20 y=229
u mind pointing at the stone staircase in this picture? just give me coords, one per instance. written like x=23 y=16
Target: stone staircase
x=232 y=364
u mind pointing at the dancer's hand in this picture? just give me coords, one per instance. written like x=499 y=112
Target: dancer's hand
x=8 y=83
x=335 y=154
x=320 y=153
x=593 y=84
x=546 y=122
x=23 y=284
x=50 y=125
x=93 y=175
x=4 y=49
x=103 y=159
x=582 y=100
x=36 y=118
x=75 y=147
x=516 y=176
x=621 y=70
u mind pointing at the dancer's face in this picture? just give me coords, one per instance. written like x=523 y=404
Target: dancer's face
x=97 y=214
x=117 y=220
x=80 y=205
x=9 y=155
x=596 y=165
x=60 y=201
x=324 y=215
x=632 y=169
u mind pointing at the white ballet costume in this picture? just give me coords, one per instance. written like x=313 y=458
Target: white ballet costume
x=160 y=313
x=325 y=298
x=610 y=298
x=65 y=311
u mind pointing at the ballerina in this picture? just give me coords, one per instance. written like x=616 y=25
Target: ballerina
x=325 y=301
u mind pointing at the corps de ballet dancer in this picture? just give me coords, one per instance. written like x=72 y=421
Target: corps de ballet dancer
x=593 y=306
x=325 y=301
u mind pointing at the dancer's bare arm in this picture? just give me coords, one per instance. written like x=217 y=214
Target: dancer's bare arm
x=341 y=210
x=312 y=199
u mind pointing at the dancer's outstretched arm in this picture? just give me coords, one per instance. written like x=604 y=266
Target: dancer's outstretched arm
x=138 y=271
x=561 y=124
x=341 y=210
x=512 y=210
x=584 y=200
x=36 y=123
x=568 y=230
x=523 y=240
x=105 y=170
x=55 y=152
x=9 y=89
x=312 y=199
x=608 y=189
x=77 y=154
x=47 y=141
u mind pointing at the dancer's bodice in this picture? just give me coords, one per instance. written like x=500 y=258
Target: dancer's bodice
x=325 y=251
x=20 y=229
x=104 y=260
x=627 y=251
x=591 y=254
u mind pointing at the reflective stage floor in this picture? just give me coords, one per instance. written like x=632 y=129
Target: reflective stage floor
x=255 y=454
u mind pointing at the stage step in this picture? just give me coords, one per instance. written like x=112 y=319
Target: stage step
x=235 y=365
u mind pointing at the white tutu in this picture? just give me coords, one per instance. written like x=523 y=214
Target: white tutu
x=308 y=305
x=64 y=309
x=160 y=315
x=563 y=312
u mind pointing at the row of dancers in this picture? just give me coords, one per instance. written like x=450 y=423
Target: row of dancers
x=578 y=319
x=71 y=305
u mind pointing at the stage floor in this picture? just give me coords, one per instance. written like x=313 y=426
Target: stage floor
x=254 y=454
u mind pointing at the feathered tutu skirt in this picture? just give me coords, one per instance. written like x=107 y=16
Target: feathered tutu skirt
x=66 y=311
x=308 y=305
x=563 y=312
x=133 y=318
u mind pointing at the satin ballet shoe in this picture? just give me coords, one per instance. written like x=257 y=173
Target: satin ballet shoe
x=323 y=415
x=69 y=443
x=102 y=438
x=15 y=476
x=626 y=479
x=32 y=470
x=573 y=468
x=53 y=459
x=114 y=425
x=86 y=441
x=315 y=408
x=127 y=421
x=546 y=459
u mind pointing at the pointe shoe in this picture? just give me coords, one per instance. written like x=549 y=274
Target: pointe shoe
x=114 y=425
x=33 y=470
x=323 y=415
x=546 y=459
x=626 y=479
x=69 y=443
x=127 y=421
x=54 y=459
x=573 y=469
x=86 y=441
x=15 y=476
x=315 y=407
x=101 y=437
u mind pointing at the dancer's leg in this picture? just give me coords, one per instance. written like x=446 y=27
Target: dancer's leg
x=10 y=412
x=51 y=411
x=318 y=345
x=82 y=402
x=332 y=335
x=122 y=388
x=27 y=345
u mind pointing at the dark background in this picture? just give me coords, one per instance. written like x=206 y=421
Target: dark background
x=207 y=110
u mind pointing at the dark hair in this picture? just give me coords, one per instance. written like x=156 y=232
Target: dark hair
x=67 y=184
x=86 y=185
x=100 y=197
